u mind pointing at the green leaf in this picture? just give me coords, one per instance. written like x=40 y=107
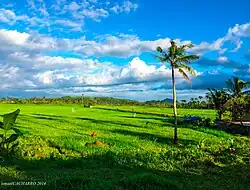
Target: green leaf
x=184 y=74
x=12 y=138
x=13 y=146
x=10 y=119
x=17 y=131
x=1 y=125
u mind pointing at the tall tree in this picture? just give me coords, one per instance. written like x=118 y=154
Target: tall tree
x=236 y=86
x=219 y=99
x=178 y=59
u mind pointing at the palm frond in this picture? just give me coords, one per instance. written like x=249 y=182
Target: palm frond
x=236 y=86
x=159 y=49
x=187 y=58
x=189 y=69
x=186 y=46
x=162 y=59
x=184 y=74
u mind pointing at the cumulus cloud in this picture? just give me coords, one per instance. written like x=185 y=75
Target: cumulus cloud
x=233 y=35
x=116 y=46
x=127 y=6
x=38 y=6
x=13 y=41
x=222 y=59
x=43 y=72
x=41 y=16
x=9 y=17
x=240 y=30
x=137 y=71
x=95 y=14
x=74 y=6
x=75 y=26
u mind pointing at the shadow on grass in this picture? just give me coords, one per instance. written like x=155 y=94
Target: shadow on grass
x=138 y=112
x=110 y=122
x=170 y=120
x=153 y=137
x=144 y=117
x=50 y=116
x=208 y=130
x=62 y=120
x=121 y=172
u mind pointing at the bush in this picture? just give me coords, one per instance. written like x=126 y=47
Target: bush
x=8 y=144
x=237 y=106
x=200 y=121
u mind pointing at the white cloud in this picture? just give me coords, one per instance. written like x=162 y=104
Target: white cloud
x=42 y=72
x=127 y=7
x=121 y=46
x=70 y=24
x=26 y=64
x=222 y=59
x=95 y=14
x=76 y=11
x=240 y=30
x=74 y=6
x=13 y=41
x=38 y=6
x=233 y=35
x=13 y=37
x=9 y=17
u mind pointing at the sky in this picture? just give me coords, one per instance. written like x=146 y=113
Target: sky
x=59 y=48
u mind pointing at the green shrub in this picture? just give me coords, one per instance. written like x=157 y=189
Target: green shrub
x=8 y=144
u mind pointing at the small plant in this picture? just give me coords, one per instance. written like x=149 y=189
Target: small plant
x=8 y=125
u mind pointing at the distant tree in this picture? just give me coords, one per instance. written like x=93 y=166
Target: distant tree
x=44 y=100
x=236 y=86
x=238 y=102
x=237 y=106
x=35 y=100
x=3 y=100
x=219 y=98
x=178 y=59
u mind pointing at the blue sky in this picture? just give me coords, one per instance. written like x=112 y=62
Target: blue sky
x=105 y=48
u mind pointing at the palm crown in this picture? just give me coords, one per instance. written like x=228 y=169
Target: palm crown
x=178 y=58
x=236 y=86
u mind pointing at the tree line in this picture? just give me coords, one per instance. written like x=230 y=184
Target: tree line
x=193 y=103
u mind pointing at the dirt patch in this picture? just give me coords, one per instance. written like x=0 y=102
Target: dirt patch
x=97 y=143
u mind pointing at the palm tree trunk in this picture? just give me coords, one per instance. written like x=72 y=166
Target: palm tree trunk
x=174 y=107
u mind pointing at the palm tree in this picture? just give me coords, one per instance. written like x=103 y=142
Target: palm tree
x=178 y=59
x=219 y=99
x=200 y=97
x=236 y=86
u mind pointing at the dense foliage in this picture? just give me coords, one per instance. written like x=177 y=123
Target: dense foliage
x=8 y=141
x=195 y=103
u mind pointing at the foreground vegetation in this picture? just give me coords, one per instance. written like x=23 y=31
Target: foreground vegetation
x=133 y=151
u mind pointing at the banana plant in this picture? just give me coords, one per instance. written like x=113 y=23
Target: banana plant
x=8 y=125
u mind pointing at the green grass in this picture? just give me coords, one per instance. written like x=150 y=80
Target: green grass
x=139 y=152
x=162 y=111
